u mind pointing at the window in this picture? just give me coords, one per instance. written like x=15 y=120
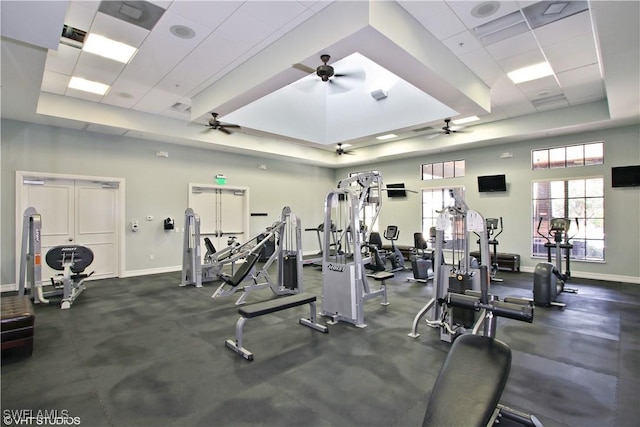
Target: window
x=579 y=200
x=450 y=169
x=433 y=201
x=568 y=156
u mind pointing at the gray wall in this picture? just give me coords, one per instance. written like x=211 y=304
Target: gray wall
x=155 y=186
x=622 y=205
x=158 y=186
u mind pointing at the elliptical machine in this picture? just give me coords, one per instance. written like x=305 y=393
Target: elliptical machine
x=548 y=279
x=392 y=233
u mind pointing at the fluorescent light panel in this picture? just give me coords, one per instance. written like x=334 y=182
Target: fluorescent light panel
x=88 y=86
x=465 y=120
x=387 y=136
x=531 y=72
x=107 y=48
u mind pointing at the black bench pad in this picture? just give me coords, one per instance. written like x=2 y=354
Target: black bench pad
x=18 y=323
x=274 y=305
x=470 y=382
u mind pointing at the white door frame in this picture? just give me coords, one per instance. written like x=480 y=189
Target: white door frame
x=120 y=199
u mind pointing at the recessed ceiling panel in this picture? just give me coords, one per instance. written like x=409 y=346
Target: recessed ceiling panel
x=342 y=108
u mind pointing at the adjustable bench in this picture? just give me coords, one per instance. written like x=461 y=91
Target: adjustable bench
x=18 y=321
x=473 y=376
x=273 y=306
x=505 y=261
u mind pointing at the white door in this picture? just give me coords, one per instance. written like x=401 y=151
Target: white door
x=223 y=212
x=76 y=212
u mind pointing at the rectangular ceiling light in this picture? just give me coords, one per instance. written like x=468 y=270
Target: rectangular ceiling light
x=531 y=72
x=465 y=120
x=107 y=48
x=88 y=86
x=387 y=136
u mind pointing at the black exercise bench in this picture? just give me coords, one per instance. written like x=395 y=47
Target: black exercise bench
x=273 y=306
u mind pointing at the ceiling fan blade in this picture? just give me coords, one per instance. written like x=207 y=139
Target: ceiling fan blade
x=223 y=130
x=435 y=135
x=353 y=74
x=304 y=68
x=228 y=125
x=337 y=87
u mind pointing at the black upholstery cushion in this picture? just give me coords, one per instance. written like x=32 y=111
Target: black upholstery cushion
x=470 y=382
x=271 y=306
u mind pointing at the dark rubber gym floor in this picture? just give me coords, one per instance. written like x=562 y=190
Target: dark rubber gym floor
x=145 y=352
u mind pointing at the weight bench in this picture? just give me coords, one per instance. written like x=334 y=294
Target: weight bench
x=18 y=323
x=273 y=306
x=473 y=376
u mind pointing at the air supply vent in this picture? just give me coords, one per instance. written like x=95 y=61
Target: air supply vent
x=141 y=13
x=424 y=129
x=72 y=37
x=180 y=107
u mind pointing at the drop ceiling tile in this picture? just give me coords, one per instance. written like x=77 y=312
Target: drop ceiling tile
x=572 y=26
x=80 y=14
x=125 y=93
x=54 y=82
x=319 y=5
x=200 y=68
x=436 y=17
x=510 y=99
x=513 y=46
x=465 y=9
x=572 y=53
x=209 y=14
x=118 y=30
x=523 y=60
x=582 y=83
x=97 y=69
x=62 y=60
x=462 y=43
x=534 y=88
x=156 y=101
x=276 y=14
x=298 y=20
x=244 y=29
x=161 y=51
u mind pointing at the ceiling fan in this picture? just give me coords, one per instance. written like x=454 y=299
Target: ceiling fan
x=340 y=151
x=447 y=129
x=214 y=124
x=326 y=71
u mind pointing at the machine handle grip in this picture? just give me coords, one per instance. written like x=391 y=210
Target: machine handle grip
x=523 y=313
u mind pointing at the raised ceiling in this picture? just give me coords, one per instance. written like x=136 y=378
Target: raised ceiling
x=232 y=57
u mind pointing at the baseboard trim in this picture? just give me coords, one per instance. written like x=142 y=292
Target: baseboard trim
x=150 y=271
x=595 y=276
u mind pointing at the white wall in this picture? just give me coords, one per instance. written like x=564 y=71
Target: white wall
x=622 y=205
x=155 y=186
x=158 y=186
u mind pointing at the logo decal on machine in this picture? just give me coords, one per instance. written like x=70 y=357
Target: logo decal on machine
x=339 y=268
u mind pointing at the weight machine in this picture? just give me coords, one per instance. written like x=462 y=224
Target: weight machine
x=286 y=232
x=194 y=271
x=345 y=286
x=72 y=260
x=492 y=227
x=461 y=276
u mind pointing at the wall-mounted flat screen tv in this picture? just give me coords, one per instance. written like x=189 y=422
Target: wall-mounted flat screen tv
x=396 y=190
x=625 y=176
x=492 y=183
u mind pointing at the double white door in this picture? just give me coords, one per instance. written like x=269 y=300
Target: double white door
x=223 y=211
x=80 y=212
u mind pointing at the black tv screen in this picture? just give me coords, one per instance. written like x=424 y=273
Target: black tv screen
x=396 y=190
x=491 y=183
x=625 y=176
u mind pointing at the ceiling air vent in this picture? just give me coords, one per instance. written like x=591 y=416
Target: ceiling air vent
x=180 y=107
x=72 y=37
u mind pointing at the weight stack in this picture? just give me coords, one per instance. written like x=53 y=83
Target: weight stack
x=461 y=316
x=290 y=271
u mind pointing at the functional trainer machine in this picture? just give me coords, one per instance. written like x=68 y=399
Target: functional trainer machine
x=548 y=279
x=462 y=275
x=345 y=285
x=480 y=364
x=194 y=271
x=72 y=260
